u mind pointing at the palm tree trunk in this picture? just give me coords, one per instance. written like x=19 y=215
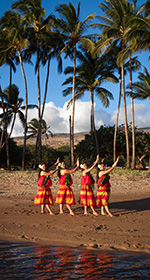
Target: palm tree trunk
x=35 y=157
x=12 y=126
x=116 y=125
x=2 y=135
x=92 y=116
x=96 y=140
x=93 y=130
x=46 y=86
x=26 y=110
x=3 y=130
x=133 y=125
x=39 y=106
x=125 y=118
x=2 y=145
x=7 y=149
x=73 y=108
x=6 y=123
x=44 y=101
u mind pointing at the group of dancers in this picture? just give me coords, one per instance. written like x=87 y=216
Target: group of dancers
x=65 y=194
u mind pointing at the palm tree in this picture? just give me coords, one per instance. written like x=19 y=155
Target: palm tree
x=15 y=31
x=7 y=56
x=91 y=73
x=5 y=124
x=126 y=53
x=50 y=48
x=14 y=106
x=131 y=69
x=114 y=30
x=73 y=32
x=11 y=97
x=140 y=27
x=42 y=42
x=33 y=128
x=132 y=65
x=141 y=88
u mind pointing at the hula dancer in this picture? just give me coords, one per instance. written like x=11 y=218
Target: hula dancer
x=104 y=188
x=65 y=194
x=87 y=197
x=44 y=196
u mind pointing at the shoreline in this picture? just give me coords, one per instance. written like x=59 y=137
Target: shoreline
x=21 y=221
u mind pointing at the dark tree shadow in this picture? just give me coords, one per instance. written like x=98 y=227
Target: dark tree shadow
x=121 y=207
x=131 y=205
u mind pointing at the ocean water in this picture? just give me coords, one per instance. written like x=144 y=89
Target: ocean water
x=30 y=261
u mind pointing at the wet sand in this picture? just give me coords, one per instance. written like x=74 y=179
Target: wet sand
x=129 y=229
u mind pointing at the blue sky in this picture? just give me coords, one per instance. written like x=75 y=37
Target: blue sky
x=56 y=114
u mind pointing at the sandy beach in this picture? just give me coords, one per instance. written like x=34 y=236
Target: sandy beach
x=21 y=221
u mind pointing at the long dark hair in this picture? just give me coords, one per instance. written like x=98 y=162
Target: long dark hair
x=59 y=168
x=40 y=169
x=97 y=177
x=99 y=162
x=58 y=172
x=97 y=168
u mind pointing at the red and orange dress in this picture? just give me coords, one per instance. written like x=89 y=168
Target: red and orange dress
x=87 y=197
x=103 y=191
x=65 y=194
x=44 y=195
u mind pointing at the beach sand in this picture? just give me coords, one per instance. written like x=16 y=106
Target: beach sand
x=129 y=229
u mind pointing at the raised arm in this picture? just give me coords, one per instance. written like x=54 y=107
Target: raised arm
x=70 y=171
x=72 y=167
x=110 y=169
x=44 y=173
x=89 y=169
x=53 y=166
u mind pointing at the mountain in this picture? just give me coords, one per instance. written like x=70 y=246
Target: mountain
x=58 y=139
x=62 y=139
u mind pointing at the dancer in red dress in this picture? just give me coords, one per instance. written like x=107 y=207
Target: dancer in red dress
x=87 y=197
x=65 y=194
x=104 y=188
x=44 y=196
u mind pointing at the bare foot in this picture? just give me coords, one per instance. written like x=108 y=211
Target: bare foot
x=95 y=213
x=86 y=213
x=51 y=213
x=111 y=215
x=61 y=212
x=72 y=213
x=103 y=214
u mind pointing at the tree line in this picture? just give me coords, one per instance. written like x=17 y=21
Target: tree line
x=122 y=31
x=85 y=149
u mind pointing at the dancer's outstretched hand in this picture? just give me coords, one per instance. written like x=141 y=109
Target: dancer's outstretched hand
x=97 y=158
x=57 y=160
x=115 y=163
x=77 y=162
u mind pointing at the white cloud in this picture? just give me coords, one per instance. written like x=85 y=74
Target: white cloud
x=58 y=118
x=141 y=115
x=102 y=118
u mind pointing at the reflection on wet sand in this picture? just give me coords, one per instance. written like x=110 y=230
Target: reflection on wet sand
x=65 y=261
x=45 y=262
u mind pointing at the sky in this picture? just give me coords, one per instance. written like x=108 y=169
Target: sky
x=56 y=114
